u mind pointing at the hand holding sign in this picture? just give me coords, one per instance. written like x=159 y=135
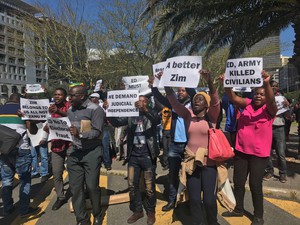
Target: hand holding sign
x=205 y=74
x=266 y=77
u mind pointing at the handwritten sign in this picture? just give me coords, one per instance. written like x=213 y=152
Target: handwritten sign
x=159 y=67
x=121 y=103
x=241 y=89
x=98 y=85
x=139 y=83
x=281 y=107
x=59 y=128
x=182 y=71
x=34 y=88
x=35 y=109
x=243 y=72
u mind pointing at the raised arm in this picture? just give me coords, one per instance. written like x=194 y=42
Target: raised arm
x=179 y=108
x=270 y=98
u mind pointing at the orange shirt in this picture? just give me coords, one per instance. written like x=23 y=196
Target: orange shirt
x=166 y=116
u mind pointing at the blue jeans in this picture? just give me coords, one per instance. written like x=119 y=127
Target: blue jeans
x=174 y=160
x=105 y=142
x=279 y=144
x=43 y=150
x=17 y=161
x=136 y=166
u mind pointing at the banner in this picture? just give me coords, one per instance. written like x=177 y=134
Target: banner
x=159 y=67
x=34 y=88
x=121 y=103
x=243 y=72
x=182 y=71
x=35 y=109
x=59 y=128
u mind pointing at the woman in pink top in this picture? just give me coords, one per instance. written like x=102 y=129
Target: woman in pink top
x=252 y=148
x=203 y=177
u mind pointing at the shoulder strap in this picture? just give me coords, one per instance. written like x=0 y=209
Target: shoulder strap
x=208 y=121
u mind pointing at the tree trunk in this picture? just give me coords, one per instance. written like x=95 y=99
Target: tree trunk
x=296 y=57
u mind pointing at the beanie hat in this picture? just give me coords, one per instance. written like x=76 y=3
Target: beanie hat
x=206 y=96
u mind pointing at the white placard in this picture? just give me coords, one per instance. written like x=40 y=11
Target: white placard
x=182 y=71
x=34 y=88
x=36 y=138
x=243 y=72
x=279 y=102
x=35 y=109
x=59 y=128
x=139 y=83
x=121 y=103
x=159 y=67
x=241 y=89
x=98 y=85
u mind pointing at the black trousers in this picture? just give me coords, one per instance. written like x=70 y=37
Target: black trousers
x=254 y=166
x=84 y=167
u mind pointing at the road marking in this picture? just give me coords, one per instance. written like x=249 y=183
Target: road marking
x=286 y=205
x=32 y=220
x=233 y=220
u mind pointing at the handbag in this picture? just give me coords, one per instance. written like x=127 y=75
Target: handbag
x=9 y=139
x=219 y=148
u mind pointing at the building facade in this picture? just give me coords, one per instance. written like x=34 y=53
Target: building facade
x=18 y=63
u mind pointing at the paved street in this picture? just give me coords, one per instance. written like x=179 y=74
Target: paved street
x=282 y=210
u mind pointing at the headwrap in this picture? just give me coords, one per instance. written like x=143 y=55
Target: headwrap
x=206 y=96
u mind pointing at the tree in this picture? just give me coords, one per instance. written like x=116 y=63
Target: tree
x=210 y=25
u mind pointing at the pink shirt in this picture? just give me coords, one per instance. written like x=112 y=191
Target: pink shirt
x=197 y=129
x=254 y=131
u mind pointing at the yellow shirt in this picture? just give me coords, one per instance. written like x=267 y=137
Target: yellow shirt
x=166 y=116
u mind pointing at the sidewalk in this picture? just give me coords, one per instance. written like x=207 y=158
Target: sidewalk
x=290 y=189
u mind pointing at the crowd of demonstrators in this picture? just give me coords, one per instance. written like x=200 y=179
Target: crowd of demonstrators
x=18 y=161
x=251 y=157
x=201 y=171
x=142 y=151
x=278 y=141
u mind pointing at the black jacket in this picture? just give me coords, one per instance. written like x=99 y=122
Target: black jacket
x=150 y=122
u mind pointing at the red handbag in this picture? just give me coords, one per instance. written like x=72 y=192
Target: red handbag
x=219 y=148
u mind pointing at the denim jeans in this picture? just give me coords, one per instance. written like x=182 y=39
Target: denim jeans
x=174 y=160
x=17 y=161
x=43 y=150
x=166 y=140
x=105 y=142
x=136 y=166
x=279 y=144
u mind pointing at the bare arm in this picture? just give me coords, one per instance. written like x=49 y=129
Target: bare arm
x=270 y=98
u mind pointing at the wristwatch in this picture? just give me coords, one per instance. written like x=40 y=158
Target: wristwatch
x=80 y=135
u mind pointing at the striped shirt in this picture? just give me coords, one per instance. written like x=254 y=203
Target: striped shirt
x=10 y=118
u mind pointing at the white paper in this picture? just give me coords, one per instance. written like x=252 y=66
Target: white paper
x=182 y=71
x=159 y=67
x=279 y=102
x=139 y=83
x=36 y=138
x=98 y=85
x=34 y=88
x=59 y=128
x=35 y=109
x=243 y=72
x=121 y=103
x=241 y=89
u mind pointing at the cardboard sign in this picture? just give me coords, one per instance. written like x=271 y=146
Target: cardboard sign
x=35 y=109
x=34 y=88
x=121 y=103
x=243 y=72
x=159 y=67
x=59 y=128
x=98 y=85
x=279 y=102
x=182 y=71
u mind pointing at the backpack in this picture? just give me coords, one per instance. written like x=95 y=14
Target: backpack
x=9 y=139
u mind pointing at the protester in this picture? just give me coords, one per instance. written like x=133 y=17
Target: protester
x=278 y=141
x=18 y=161
x=178 y=139
x=84 y=162
x=166 y=118
x=42 y=149
x=203 y=177
x=60 y=149
x=142 y=156
x=253 y=144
